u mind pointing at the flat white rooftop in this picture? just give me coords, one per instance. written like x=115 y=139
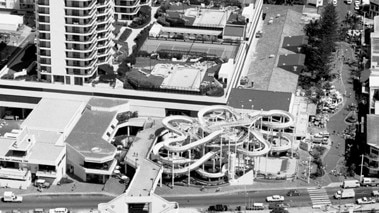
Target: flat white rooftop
x=53 y=114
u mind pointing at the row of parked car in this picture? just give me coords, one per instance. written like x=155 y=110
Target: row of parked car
x=275 y=202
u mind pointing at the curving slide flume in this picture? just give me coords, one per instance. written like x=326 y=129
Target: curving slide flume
x=215 y=125
x=192 y=166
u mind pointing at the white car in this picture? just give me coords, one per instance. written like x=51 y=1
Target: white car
x=275 y=198
x=365 y=200
x=375 y=193
x=335 y=3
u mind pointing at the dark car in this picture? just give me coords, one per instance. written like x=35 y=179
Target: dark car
x=293 y=193
x=278 y=205
x=218 y=208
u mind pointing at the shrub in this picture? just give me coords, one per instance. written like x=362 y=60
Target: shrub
x=8 y=76
x=106 y=69
x=143 y=18
x=143 y=54
x=176 y=22
x=108 y=78
x=211 y=90
x=162 y=21
x=123 y=68
x=2 y=45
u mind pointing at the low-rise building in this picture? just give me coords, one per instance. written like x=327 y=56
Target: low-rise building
x=90 y=154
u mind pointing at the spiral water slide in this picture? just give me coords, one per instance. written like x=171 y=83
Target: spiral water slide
x=276 y=125
x=241 y=122
x=170 y=145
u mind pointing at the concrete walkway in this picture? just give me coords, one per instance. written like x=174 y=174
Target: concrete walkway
x=336 y=121
x=135 y=32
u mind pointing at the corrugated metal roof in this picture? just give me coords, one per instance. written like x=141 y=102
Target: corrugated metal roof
x=259 y=99
x=294 y=41
x=291 y=59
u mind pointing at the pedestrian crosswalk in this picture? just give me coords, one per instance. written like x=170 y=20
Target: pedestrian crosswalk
x=318 y=196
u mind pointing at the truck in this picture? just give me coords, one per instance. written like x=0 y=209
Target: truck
x=350 y=184
x=11 y=197
x=370 y=182
x=345 y=193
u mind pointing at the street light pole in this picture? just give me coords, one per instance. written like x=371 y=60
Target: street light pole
x=360 y=177
x=363 y=30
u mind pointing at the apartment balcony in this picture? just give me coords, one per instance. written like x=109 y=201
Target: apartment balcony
x=44 y=19
x=81 y=39
x=145 y=2
x=43 y=10
x=44 y=37
x=103 y=3
x=81 y=56
x=101 y=169
x=104 y=44
x=80 y=14
x=107 y=36
x=79 y=5
x=80 y=48
x=44 y=44
x=46 y=173
x=42 y=28
x=128 y=11
x=45 y=61
x=81 y=23
x=14 y=174
x=373 y=166
x=105 y=28
x=127 y=4
x=372 y=157
x=85 y=65
x=81 y=30
x=43 y=2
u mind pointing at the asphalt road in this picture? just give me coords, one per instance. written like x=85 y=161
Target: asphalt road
x=48 y=202
x=204 y=201
x=343 y=8
x=242 y=198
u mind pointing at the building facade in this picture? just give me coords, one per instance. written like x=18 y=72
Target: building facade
x=74 y=38
x=126 y=10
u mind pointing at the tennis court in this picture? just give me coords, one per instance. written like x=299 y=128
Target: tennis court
x=222 y=51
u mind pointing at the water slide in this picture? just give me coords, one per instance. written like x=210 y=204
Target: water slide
x=191 y=167
x=215 y=129
x=266 y=146
x=204 y=173
x=215 y=108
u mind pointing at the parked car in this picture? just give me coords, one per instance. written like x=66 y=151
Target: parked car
x=365 y=200
x=278 y=205
x=375 y=193
x=292 y=192
x=275 y=198
x=218 y=208
x=256 y=206
x=335 y=3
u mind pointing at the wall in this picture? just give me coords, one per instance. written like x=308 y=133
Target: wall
x=57 y=35
x=75 y=159
x=17 y=184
